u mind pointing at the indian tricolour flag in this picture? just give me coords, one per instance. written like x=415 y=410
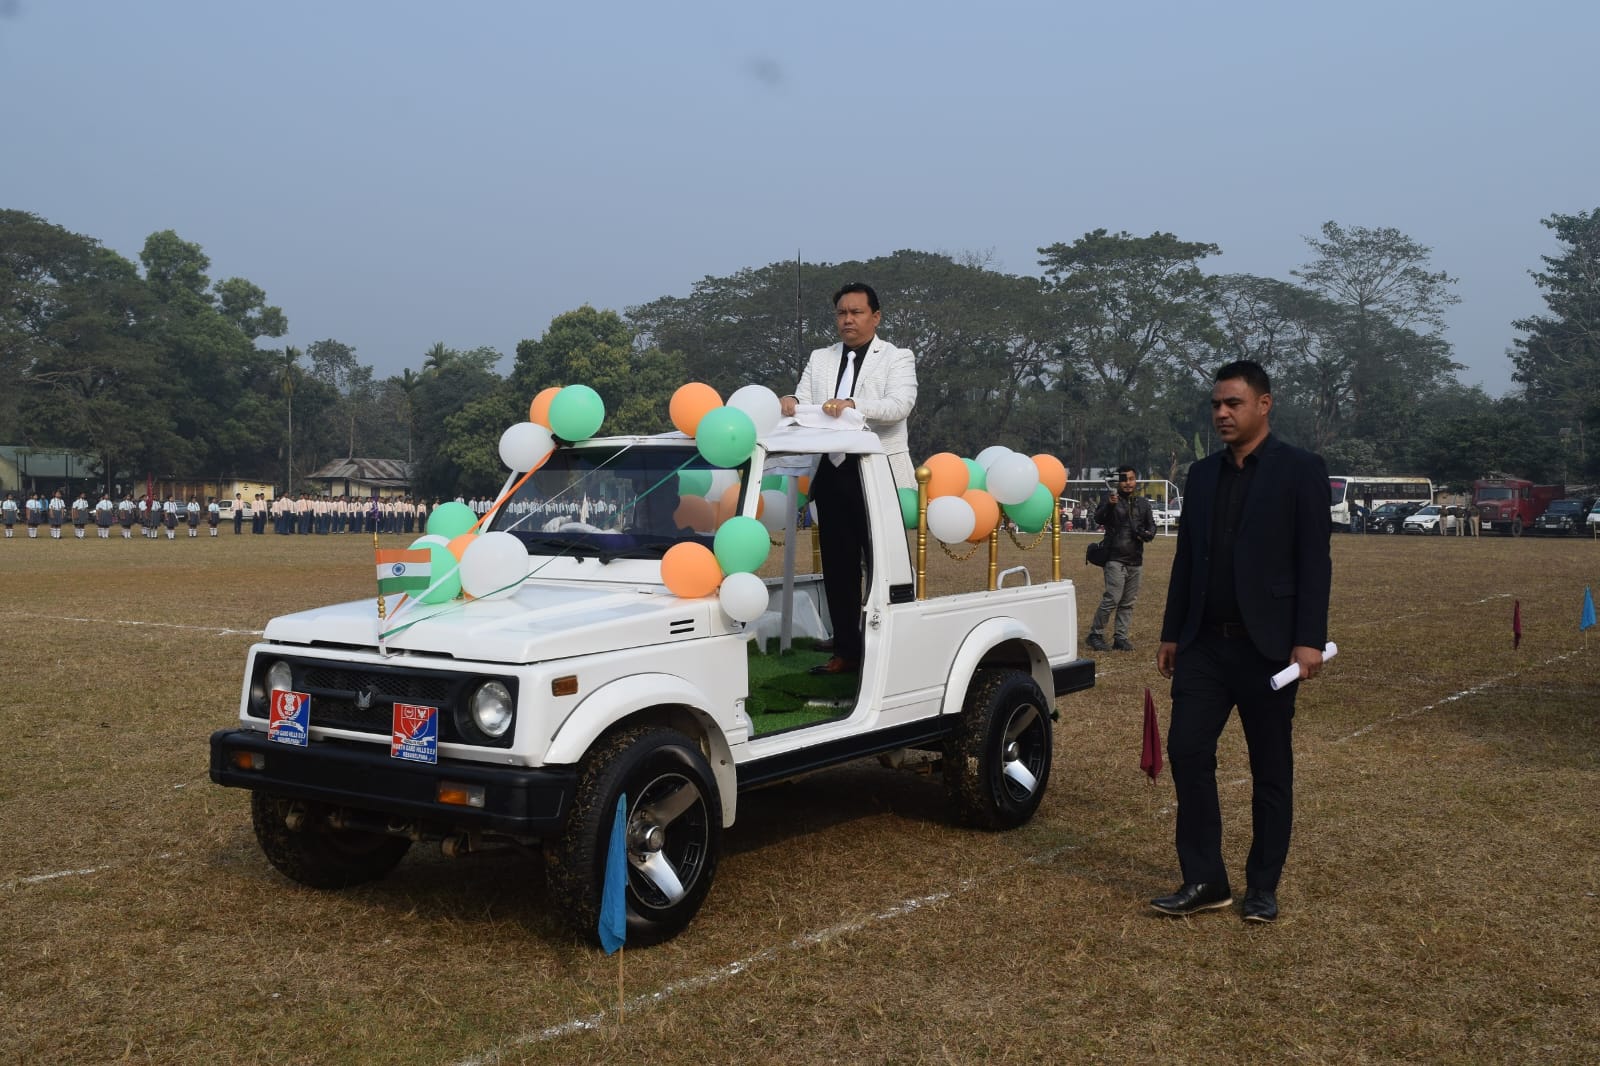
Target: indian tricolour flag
x=400 y=570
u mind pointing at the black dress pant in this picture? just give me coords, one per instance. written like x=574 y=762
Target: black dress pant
x=846 y=548
x=1213 y=675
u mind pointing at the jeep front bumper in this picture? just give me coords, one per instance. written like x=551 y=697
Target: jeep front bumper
x=515 y=801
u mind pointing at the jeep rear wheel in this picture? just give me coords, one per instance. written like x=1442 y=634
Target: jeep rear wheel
x=674 y=832
x=997 y=762
x=313 y=852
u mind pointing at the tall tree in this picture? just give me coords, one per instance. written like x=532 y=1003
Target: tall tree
x=1395 y=304
x=1558 y=357
x=1129 y=313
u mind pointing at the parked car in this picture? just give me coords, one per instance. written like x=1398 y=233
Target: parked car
x=1564 y=517
x=1431 y=519
x=1594 y=516
x=1390 y=517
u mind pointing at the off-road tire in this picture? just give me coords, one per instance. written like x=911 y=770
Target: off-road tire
x=319 y=856
x=648 y=764
x=999 y=702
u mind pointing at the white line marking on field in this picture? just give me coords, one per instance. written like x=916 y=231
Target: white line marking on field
x=1463 y=694
x=132 y=622
x=39 y=879
x=734 y=969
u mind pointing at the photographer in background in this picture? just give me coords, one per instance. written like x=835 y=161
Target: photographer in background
x=1130 y=524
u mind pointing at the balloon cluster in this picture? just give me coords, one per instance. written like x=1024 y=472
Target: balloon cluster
x=966 y=497
x=724 y=435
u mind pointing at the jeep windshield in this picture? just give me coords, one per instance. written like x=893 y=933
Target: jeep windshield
x=623 y=500
x=1561 y=507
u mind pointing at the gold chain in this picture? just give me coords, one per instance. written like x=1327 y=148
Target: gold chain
x=962 y=558
x=1027 y=547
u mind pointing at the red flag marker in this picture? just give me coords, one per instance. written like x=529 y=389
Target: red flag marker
x=1150 y=759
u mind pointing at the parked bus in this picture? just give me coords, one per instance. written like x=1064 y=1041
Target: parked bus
x=1345 y=491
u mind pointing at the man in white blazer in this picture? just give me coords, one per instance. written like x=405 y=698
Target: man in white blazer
x=874 y=377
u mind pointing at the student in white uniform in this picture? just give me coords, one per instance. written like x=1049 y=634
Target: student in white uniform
x=8 y=513
x=80 y=515
x=103 y=514
x=58 y=514
x=213 y=515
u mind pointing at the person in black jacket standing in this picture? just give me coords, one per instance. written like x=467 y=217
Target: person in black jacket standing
x=1130 y=524
x=1248 y=595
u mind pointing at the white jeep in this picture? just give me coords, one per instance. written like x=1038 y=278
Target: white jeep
x=592 y=681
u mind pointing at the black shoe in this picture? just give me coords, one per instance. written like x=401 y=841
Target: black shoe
x=1192 y=898
x=1260 y=906
x=823 y=645
x=1122 y=644
x=1097 y=643
x=834 y=666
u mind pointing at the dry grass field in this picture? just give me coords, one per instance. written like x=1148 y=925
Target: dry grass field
x=1440 y=903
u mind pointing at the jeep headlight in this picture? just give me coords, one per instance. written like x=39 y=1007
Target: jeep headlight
x=280 y=678
x=491 y=709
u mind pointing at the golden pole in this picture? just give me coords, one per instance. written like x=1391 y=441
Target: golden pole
x=1055 y=542
x=924 y=475
x=994 y=556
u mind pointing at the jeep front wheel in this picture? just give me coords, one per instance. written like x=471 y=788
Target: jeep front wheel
x=674 y=830
x=997 y=762
x=314 y=853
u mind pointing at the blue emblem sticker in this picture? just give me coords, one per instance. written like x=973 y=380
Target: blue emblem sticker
x=289 y=721
x=416 y=733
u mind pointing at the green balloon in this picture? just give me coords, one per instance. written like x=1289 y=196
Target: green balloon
x=773 y=482
x=694 y=482
x=441 y=589
x=908 y=507
x=450 y=520
x=977 y=478
x=725 y=436
x=741 y=545
x=1032 y=514
x=576 y=413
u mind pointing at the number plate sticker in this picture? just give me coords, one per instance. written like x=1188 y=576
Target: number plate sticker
x=289 y=721
x=416 y=733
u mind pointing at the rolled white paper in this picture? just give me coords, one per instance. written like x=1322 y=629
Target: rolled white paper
x=1291 y=673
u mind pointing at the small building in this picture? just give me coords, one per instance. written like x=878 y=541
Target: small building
x=26 y=469
x=363 y=478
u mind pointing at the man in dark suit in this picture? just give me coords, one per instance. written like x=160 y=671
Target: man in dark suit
x=1248 y=595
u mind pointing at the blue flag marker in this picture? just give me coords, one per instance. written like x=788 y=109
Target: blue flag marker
x=614 y=893
x=1586 y=621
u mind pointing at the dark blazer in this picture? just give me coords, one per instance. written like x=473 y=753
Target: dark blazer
x=1282 y=565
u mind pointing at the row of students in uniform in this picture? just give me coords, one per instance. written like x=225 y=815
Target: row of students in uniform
x=152 y=516
x=336 y=514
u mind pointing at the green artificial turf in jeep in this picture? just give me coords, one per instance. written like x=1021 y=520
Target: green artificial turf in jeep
x=784 y=695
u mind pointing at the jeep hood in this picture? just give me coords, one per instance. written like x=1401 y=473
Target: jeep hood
x=542 y=621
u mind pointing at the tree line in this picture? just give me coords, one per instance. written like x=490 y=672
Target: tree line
x=1105 y=357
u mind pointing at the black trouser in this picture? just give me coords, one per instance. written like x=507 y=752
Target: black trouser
x=846 y=549
x=1213 y=675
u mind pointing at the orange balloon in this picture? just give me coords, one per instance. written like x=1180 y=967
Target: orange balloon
x=690 y=570
x=696 y=513
x=459 y=544
x=949 y=475
x=539 y=409
x=727 y=504
x=987 y=508
x=1052 y=475
x=690 y=404
x=802 y=484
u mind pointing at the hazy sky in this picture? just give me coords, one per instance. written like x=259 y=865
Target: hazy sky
x=395 y=174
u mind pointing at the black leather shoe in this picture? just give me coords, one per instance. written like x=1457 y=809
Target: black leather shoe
x=1122 y=644
x=1260 y=906
x=823 y=645
x=836 y=665
x=1193 y=898
x=1097 y=643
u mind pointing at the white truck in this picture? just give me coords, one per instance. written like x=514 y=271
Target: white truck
x=592 y=681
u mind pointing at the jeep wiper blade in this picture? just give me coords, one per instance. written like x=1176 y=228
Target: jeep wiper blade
x=576 y=547
x=638 y=551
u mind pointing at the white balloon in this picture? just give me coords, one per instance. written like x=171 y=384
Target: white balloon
x=493 y=566
x=524 y=445
x=1013 y=478
x=743 y=596
x=774 y=510
x=761 y=404
x=722 y=481
x=987 y=457
x=951 y=519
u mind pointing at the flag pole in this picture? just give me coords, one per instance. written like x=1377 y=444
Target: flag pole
x=381 y=649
